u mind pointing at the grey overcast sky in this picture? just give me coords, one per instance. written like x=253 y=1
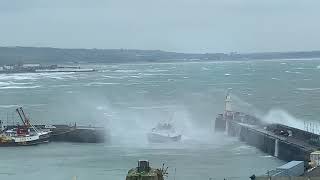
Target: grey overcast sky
x=172 y=25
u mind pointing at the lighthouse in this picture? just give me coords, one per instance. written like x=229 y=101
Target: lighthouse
x=228 y=113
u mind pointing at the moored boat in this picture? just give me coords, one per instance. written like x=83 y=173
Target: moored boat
x=24 y=135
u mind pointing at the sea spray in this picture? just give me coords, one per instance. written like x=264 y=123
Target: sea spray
x=283 y=117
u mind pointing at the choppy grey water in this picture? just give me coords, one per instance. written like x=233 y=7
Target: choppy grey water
x=131 y=98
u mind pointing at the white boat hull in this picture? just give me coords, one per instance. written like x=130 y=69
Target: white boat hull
x=159 y=138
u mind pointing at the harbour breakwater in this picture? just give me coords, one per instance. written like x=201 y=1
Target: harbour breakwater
x=284 y=142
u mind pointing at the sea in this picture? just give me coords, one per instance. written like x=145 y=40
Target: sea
x=130 y=99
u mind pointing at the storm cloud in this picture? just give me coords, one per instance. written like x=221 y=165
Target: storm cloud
x=172 y=25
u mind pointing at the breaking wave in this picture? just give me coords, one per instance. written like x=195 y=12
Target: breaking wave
x=36 y=76
x=156 y=70
x=126 y=71
x=19 y=87
x=308 y=89
x=282 y=117
x=12 y=83
x=101 y=83
x=9 y=106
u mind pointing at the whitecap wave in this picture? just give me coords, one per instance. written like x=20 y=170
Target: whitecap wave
x=308 y=89
x=13 y=83
x=160 y=74
x=18 y=77
x=126 y=70
x=294 y=72
x=19 y=87
x=303 y=68
x=115 y=77
x=101 y=83
x=61 y=85
x=8 y=106
x=156 y=70
x=36 y=76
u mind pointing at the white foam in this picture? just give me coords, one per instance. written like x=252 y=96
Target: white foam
x=8 y=106
x=35 y=76
x=126 y=70
x=135 y=76
x=282 y=117
x=62 y=85
x=303 y=68
x=18 y=77
x=227 y=74
x=160 y=74
x=294 y=72
x=157 y=70
x=19 y=87
x=205 y=68
x=4 y=83
x=12 y=83
x=308 y=89
x=267 y=156
x=243 y=149
x=101 y=83
x=115 y=77
x=318 y=67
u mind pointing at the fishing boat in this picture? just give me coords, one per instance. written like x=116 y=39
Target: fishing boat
x=24 y=135
x=163 y=132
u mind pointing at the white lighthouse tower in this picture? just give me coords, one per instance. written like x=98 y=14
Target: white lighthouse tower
x=228 y=106
x=228 y=113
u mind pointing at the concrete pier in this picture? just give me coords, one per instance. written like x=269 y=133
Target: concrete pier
x=80 y=134
x=284 y=147
x=286 y=143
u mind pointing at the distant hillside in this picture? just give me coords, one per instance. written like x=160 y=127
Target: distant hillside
x=12 y=55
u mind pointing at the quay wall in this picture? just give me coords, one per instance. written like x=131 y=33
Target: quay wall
x=287 y=178
x=267 y=143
